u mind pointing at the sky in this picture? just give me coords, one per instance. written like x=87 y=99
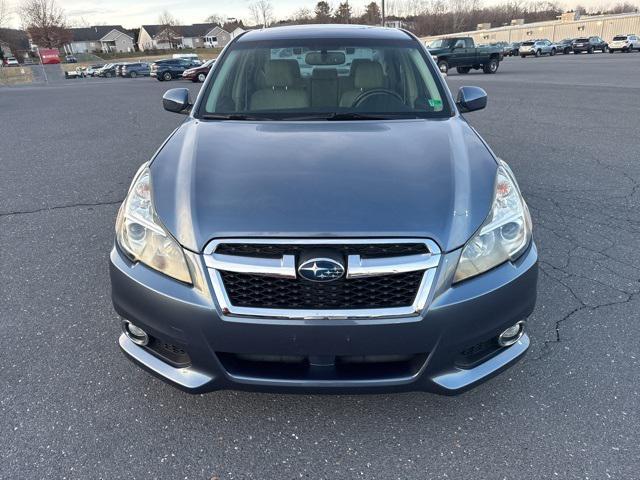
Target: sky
x=133 y=13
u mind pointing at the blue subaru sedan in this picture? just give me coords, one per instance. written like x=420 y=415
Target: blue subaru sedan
x=324 y=219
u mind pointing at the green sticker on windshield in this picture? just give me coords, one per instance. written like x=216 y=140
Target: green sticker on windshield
x=435 y=103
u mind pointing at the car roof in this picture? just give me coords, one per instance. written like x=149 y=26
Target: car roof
x=323 y=31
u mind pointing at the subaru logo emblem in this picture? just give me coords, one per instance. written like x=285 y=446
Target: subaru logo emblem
x=321 y=270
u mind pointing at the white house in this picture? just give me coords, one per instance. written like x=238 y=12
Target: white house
x=102 y=38
x=217 y=37
x=199 y=35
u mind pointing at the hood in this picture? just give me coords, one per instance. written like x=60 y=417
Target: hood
x=438 y=51
x=403 y=178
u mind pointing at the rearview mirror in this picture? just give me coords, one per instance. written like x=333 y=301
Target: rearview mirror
x=177 y=100
x=471 y=99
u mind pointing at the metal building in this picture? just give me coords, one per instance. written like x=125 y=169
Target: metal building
x=605 y=26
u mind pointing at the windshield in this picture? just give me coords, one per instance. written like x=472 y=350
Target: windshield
x=324 y=78
x=582 y=40
x=441 y=43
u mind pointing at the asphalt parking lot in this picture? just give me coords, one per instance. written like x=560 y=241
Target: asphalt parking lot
x=71 y=405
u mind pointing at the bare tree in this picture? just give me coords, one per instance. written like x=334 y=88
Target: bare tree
x=45 y=22
x=302 y=15
x=167 y=20
x=261 y=12
x=216 y=19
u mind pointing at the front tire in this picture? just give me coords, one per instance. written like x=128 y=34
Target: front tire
x=553 y=52
x=133 y=74
x=590 y=51
x=605 y=49
x=202 y=77
x=492 y=66
x=167 y=77
x=463 y=70
x=443 y=66
x=538 y=53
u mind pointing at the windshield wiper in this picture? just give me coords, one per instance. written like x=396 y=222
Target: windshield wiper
x=340 y=116
x=234 y=116
x=357 y=116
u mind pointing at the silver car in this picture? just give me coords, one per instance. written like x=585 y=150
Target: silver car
x=624 y=43
x=537 y=48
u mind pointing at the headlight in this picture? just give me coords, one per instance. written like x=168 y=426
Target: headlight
x=505 y=234
x=141 y=235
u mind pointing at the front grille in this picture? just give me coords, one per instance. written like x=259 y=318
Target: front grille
x=382 y=277
x=387 y=291
x=365 y=250
x=338 y=368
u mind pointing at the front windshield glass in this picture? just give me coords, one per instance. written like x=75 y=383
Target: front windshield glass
x=321 y=78
x=441 y=43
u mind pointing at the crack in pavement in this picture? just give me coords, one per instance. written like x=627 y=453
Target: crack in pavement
x=558 y=339
x=59 y=207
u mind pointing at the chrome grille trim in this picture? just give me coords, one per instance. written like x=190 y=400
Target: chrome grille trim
x=284 y=267
x=357 y=267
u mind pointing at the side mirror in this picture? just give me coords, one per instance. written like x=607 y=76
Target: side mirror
x=177 y=100
x=471 y=99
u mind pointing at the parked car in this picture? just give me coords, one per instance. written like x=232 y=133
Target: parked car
x=624 y=43
x=514 y=48
x=199 y=73
x=11 y=62
x=504 y=46
x=108 y=71
x=589 y=45
x=79 y=72
x=70 y=59
x=537 y=48
x=259 y=247
x=462 y=53
x=133 y=70
x=166 y=70
x=564 y=46
x=92 y=70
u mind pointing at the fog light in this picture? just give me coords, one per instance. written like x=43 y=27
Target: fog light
x=136 y=334
x=512 y=334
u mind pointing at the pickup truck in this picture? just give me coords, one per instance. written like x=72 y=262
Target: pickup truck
x=462 y=53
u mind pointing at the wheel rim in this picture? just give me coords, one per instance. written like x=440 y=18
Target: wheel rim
x=493 y=66
x=202 y=77
x=167 y=76
x=133 y=74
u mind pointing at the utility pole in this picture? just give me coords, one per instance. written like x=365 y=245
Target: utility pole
x=383 y=13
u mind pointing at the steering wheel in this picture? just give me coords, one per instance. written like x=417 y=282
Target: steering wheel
x=360 y=99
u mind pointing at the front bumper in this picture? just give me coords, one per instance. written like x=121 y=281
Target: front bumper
x=459 y=319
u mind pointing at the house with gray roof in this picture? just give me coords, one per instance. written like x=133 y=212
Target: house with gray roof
x=166 y=37
x=100 y=38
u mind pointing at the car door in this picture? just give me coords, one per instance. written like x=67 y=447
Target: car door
x=470 y=52
x=459 y=54
x=548 y=46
